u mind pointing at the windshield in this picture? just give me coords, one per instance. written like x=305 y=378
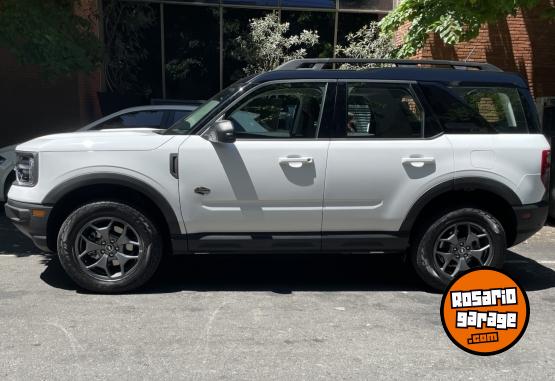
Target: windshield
x=185 y=125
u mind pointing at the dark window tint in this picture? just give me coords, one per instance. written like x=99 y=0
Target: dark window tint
x=149 y=119
x=192 y=38
x=382 y=111
x=382 y=5
x=285 y=111
x=475 y=110
x=178 y=114
x=309 y=3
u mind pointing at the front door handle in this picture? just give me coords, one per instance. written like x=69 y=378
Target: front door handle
x=418 y=162
x=295 y=162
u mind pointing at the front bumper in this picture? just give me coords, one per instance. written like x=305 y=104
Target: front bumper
x=31 y=220
x=529 y=220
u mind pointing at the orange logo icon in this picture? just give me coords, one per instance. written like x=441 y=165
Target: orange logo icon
x=484 y=311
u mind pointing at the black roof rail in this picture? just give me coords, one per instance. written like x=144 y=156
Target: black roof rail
x=326 y=63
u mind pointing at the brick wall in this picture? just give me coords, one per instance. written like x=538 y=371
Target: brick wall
x=524 y=43
x=31 y=106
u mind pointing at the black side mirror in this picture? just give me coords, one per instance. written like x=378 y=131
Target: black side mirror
x=222 y=132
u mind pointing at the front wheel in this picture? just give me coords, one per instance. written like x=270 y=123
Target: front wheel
x=109 y=247
x=456 y=242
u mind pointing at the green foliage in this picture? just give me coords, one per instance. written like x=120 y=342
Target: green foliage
x=367 y=42
x=267 y=44
x=49 y=34
x=452 y=20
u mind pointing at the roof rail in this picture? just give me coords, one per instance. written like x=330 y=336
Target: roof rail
x=327 y=63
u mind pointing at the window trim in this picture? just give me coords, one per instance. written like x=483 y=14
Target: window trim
x=327 y=104
x=341 y=105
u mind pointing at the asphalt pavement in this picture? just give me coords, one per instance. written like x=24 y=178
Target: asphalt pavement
x=257 y=317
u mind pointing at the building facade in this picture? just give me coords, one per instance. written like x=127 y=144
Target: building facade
x=191 y=45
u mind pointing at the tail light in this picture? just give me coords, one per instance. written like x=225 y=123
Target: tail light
x=546 y=162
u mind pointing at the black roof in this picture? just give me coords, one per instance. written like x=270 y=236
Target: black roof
x=398 y=73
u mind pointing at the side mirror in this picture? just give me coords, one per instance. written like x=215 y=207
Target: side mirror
x=222 y=132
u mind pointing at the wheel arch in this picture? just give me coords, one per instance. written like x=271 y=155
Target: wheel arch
x=78 y=191
x=491 y=195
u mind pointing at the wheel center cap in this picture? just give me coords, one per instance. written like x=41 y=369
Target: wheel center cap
x=463 y=250
x=109 y=248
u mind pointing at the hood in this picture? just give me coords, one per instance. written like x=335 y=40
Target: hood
x=96 y=141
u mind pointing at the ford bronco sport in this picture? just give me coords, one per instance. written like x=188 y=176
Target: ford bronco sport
x=444 y=160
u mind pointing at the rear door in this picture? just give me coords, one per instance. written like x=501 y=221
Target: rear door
x=380 y=161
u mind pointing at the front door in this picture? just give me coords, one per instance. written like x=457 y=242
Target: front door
x=265 y=191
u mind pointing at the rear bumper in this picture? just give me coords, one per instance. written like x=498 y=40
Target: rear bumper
x=529 y=220
x=31 y=220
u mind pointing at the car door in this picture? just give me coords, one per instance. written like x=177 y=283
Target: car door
x=265 y=191
x=381 y=160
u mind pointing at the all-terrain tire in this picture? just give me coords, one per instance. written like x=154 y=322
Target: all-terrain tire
x=423 y=245
x=147 y=233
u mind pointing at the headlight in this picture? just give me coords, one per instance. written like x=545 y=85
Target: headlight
x=2 y=159
x=27 y=168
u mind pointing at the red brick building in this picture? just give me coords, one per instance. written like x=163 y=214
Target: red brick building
x=524 y=43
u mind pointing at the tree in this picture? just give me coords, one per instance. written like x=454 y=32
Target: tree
x=452 y=20
x=49 y=33
x=367 y=42
x=267 y=44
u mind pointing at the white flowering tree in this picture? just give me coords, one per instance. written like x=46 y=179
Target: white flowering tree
x=368 y=42
x=267 y=45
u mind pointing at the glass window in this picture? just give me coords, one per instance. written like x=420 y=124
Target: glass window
x=148 y=119
x=309 y=3
x=179 y=114
x=322 y=22
x=382 y=111
x=284 y=111
x=253 y=2
x=379 y=5
x=236 y=23
x=132 y=43
x=192 y=51
x=352 y=22
x=477 y=109
x=185 y=125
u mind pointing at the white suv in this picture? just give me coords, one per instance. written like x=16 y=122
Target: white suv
x=444 y=160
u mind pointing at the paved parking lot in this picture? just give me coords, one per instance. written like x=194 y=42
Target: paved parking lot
x=256 y=317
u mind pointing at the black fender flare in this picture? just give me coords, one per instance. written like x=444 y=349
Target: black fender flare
x=61 y=190
x=467 y=184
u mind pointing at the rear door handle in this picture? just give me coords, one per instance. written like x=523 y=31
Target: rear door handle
x=295 y=162
x=418 y=162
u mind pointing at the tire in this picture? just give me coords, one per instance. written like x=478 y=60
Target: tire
x=438 y=235
x=7 y=185
x=100 y=240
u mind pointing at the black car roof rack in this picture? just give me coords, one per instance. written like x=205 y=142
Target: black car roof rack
x=330 y=63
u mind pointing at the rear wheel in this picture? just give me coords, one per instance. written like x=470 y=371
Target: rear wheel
x=456 y=242
x=109 y=247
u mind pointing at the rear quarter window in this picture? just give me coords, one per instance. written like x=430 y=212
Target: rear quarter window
x=473 y=110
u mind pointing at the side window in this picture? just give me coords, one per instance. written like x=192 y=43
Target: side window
x=179 y=114
x=475 y=110
x=382 y=111
x=150 y=119
x=282 y=111
x=500 y=107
